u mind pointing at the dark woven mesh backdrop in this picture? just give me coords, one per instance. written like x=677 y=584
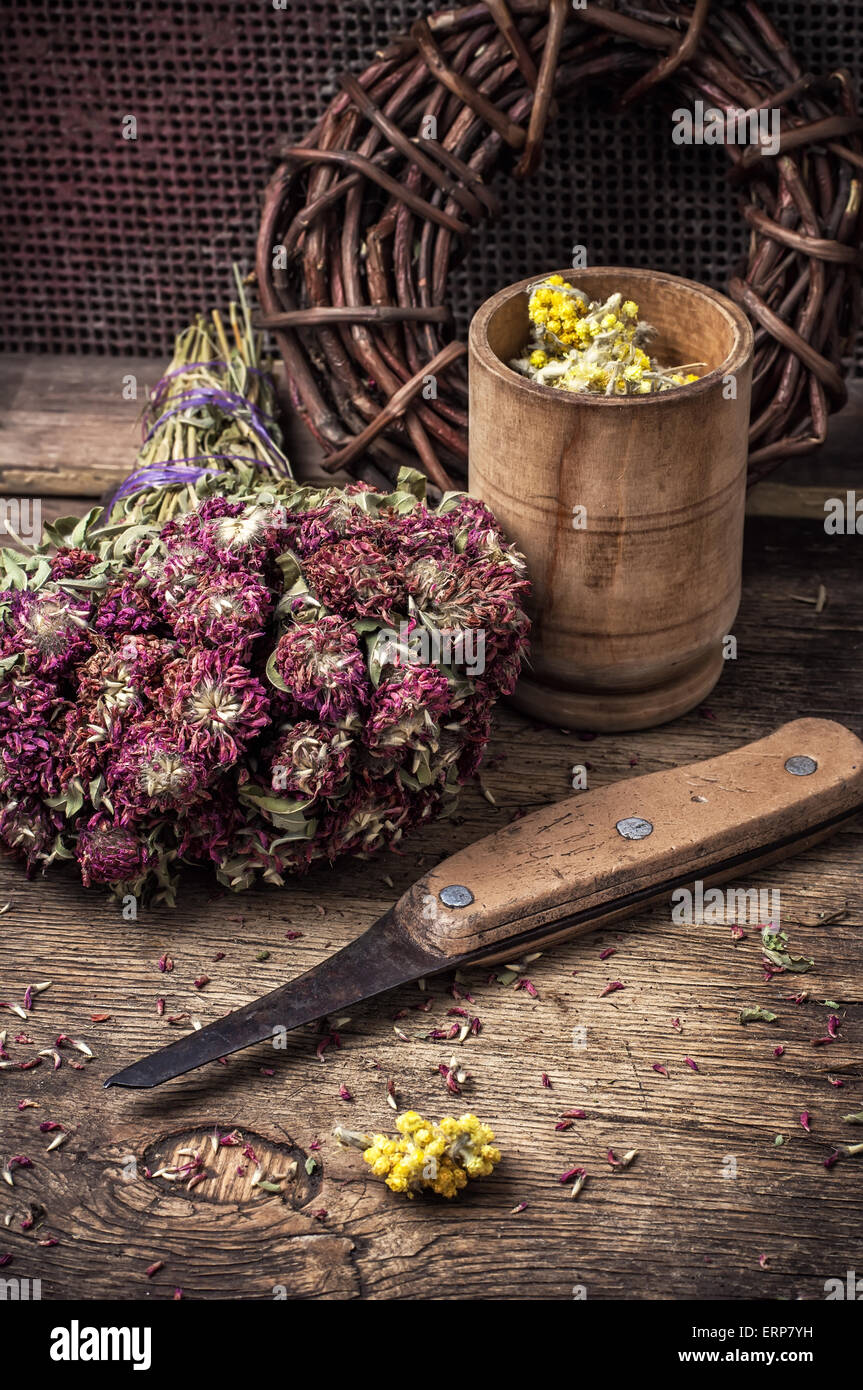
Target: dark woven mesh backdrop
x=111 y=245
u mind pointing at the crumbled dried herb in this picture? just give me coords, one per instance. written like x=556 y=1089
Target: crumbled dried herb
x=774 y=950
x=755 y=1014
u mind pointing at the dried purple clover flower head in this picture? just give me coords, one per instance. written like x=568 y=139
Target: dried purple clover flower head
x=406 y=710
x=49 y=627
x=71 y=562
x=124 y=676
x=30 y=711
x=313 y=760
x=245 y=672
x=320 y=664
x=356 y=578
x=125 y=607
x=155 y=769
x=31 y=829
x=217 y=701
x=226 y=610
x=111 y=853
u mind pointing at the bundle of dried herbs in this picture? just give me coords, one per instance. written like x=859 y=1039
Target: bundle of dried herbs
x=579 y=344
x=231 y=668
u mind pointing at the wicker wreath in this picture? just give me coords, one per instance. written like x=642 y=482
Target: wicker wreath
x=360 y=223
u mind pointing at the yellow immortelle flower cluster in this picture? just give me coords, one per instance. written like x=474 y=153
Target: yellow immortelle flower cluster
x=582 y=345
x=438 y=1157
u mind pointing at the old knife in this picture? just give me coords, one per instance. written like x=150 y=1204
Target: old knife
x=573 y=866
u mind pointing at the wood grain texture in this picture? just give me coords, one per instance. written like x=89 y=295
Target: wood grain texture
x=673 y=1225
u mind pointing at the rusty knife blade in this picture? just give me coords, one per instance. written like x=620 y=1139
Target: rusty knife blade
x=382 y=958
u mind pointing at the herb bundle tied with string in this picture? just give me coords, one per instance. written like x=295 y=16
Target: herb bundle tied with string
x=227 y=667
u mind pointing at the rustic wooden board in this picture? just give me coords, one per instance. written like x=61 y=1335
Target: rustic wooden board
x=71 y=426
x=675 y=1224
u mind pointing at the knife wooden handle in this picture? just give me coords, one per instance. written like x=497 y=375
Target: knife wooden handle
x=569 y=867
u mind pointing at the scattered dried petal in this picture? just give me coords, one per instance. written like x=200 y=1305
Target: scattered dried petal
x=611 y=988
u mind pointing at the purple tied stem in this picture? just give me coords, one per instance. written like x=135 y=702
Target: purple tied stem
x=230 y=402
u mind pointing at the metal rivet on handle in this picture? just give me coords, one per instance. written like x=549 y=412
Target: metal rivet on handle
x=801 y=765
x=634 y=828
x=456 y=895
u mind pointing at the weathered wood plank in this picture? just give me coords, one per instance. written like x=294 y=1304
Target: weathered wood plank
x=72 y=425
x=675 y=1224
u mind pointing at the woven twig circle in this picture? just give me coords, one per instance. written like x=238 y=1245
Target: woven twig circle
x=363 y=220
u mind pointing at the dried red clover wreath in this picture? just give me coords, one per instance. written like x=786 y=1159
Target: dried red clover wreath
x=363 y=219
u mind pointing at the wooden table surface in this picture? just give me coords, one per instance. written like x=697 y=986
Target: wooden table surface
x=712 y=1205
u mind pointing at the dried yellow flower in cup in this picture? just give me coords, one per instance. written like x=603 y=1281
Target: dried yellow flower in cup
x=579 y=344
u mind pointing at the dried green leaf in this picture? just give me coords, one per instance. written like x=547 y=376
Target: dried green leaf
x=757 y=1015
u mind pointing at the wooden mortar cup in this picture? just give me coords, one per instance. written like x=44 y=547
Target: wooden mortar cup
x=629 y=612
